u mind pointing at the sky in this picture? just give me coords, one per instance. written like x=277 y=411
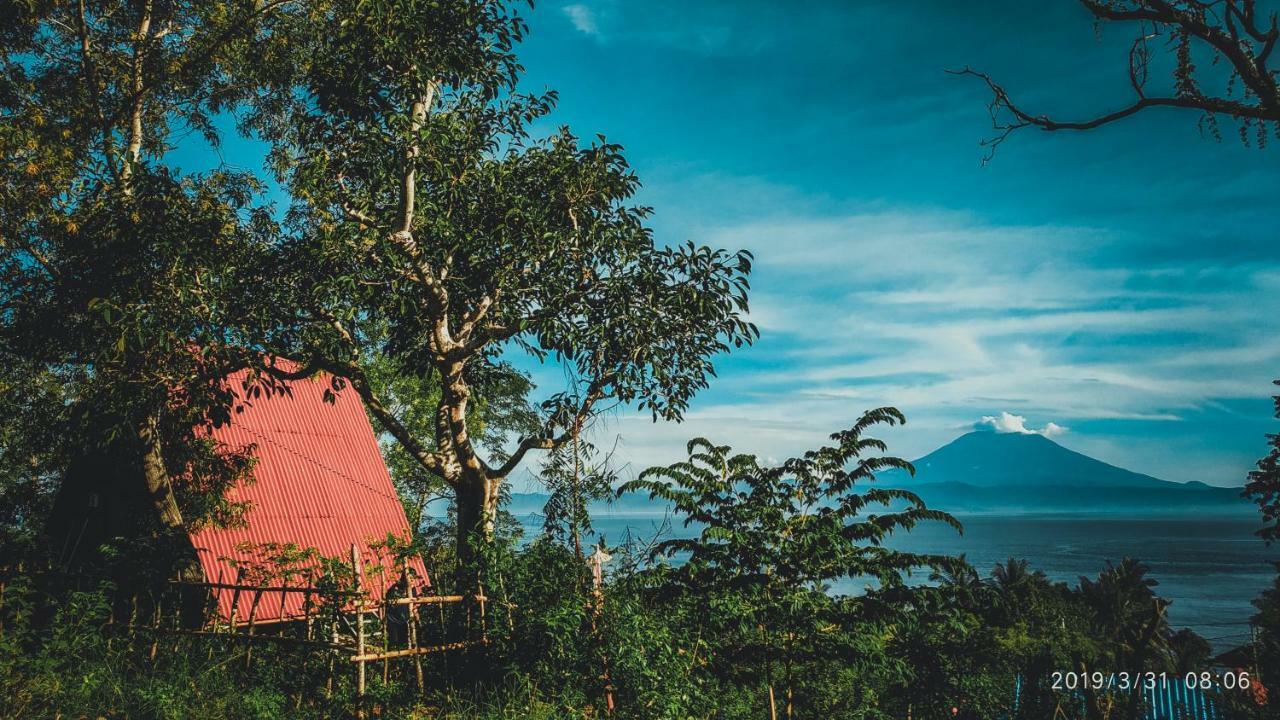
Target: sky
x=1116 y=290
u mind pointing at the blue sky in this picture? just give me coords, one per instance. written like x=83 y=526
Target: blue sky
x=1122 y=284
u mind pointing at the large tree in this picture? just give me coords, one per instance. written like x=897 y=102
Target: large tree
x=1218 y=59
x=124 y=282
x=435 y=229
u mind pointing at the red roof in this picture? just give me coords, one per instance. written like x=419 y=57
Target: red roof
x=320 y=482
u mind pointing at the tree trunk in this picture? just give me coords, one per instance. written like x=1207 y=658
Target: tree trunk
x=475 y=492
x=156 y=476
x=469 y=503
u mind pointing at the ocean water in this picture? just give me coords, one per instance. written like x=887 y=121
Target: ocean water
x=1211 y=568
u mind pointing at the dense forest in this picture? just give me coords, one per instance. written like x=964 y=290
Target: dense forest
x=412 y=228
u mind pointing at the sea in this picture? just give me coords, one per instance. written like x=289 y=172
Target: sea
x=1211 y=567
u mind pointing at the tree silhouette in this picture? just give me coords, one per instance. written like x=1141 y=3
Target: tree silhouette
x=1264 y=485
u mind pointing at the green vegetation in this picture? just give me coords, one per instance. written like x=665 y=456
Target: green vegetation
x=740 y=622
x=428 y=234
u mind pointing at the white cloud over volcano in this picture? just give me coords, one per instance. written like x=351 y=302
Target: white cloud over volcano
x=1007 y=422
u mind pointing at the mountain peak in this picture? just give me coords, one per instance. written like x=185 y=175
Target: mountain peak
x=985 y=458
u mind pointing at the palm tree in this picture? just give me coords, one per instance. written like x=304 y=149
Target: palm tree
x=961 y=579
x=1017 y=586
x=1186 y=651
x=1128 y=612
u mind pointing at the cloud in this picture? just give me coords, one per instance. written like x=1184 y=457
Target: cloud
x=1053 y=429
x=1007 y=422
x=583 y=18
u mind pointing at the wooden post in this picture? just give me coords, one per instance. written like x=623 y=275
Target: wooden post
x=598 y=559
x=133 y=620
x=383 y=617
x=284 y=589
x=484 y=625
x=413 y=626
x=358 y=571
x=155 y=637
x=235 y=601
x=333 y=636
x=253 y=611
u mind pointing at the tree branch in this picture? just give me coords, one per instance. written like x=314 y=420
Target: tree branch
x=594 y=394
x=1248 y=63
x=408 y=181
x=1021 y=118
x=137 y=88
x=434 y=462
x=95 y=88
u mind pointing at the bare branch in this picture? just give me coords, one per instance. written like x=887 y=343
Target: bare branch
x=408 y=189
x=1187 y=20
x=1021 y=118
x=436 y=463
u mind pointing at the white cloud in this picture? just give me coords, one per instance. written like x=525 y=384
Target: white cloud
x=1053 y=429
x=583 y=18
x=1007 y=422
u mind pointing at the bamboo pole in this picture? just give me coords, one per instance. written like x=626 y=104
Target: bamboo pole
x=484 y=625
x=253 y=611
x=382 y=617
x=413 y=626
x=444 y=635
x=360 y=658
x=235 y=601
x=437 y=599
x=391 y=654
x=248 y=588
x=285 y=639
x=328 y=687
x=155 y=615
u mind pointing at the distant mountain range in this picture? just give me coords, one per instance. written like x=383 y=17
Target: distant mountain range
x=986 y=471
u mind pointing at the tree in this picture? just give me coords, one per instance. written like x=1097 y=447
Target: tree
x=1199 y=38
x=435 y=230
x=123 y=281
x=1126 y=609
x=576 y=474
x=1188 y=651
x=1267 y=640
x=1263 y=486
x=771 y=539
x=1018 y=587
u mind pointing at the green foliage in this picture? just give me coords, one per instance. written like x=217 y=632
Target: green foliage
x=796 y=525
x=1263 y=486
x=1267 y=620
x=770 y=540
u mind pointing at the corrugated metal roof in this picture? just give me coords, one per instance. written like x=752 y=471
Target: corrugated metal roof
x=320 y=482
